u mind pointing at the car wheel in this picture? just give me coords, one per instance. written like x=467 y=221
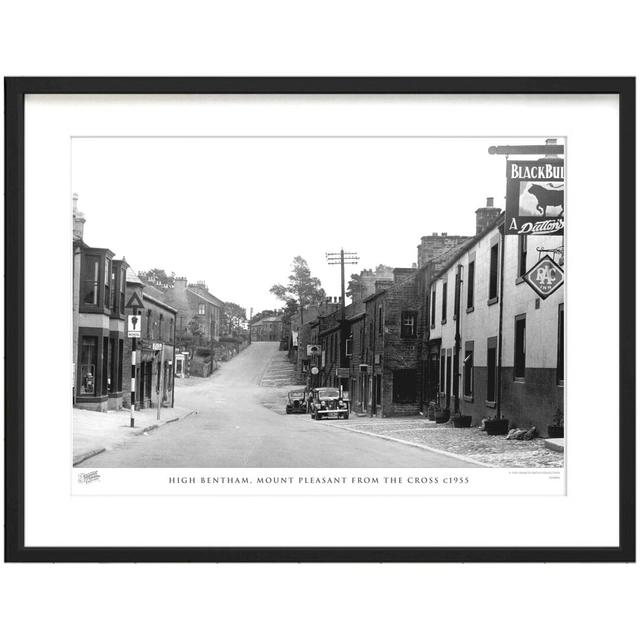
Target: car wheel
x=346 y=416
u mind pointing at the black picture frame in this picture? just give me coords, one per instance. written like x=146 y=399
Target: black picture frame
x=15 y=91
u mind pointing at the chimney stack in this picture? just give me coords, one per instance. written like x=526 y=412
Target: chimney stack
x=485 y=216
x=78 y=220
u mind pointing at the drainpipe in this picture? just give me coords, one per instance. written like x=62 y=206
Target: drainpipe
x=457 y=340
x=499 y=383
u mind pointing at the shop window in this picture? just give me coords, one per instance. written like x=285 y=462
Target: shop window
x=520 y=347
x=522 y=255
x=120 y=354
x=404 y=386
x=493 y=274
x=105 y=366
x=90 y=280
x=560 y=356
x=113 y=366
x=492 y=369
x=408 y=324
x=468 y=370
x=471 y=276
x=88 y=363
x=444 y=302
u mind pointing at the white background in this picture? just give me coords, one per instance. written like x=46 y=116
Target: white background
x=313 y=601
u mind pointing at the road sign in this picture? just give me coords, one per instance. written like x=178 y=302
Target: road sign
x=544 y=277
x=315 y=371
x=313 y=350
x=133 y=326
x=134 y=301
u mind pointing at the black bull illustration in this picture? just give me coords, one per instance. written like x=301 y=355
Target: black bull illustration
x=547 y=198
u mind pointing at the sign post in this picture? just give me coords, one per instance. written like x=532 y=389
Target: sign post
x=134 y=331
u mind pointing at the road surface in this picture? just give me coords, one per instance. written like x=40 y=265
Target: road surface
x=234 y=428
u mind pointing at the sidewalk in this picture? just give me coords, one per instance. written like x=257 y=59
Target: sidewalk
x=95 y=431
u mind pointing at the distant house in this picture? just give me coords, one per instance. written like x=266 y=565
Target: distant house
x=269 y=329
x=199 y=313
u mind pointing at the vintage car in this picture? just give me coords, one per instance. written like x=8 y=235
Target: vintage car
x=296 y=402
x=329 y=402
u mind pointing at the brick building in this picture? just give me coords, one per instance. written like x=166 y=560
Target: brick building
x=98 y=322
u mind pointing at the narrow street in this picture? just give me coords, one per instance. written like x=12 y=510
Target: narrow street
x=240 y=423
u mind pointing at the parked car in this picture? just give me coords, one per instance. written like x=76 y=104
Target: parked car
x=329 y=402
x=296 y=402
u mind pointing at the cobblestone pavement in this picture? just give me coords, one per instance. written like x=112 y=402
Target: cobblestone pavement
x=495 y=451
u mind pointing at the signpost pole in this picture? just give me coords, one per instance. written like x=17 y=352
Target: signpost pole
x=133 y=380
x=160 y=379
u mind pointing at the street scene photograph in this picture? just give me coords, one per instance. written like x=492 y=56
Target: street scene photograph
x=318 y=302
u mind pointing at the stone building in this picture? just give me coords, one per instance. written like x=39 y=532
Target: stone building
x=155 y=370
x=269 y=329
x=500 y=347
x=98 y=322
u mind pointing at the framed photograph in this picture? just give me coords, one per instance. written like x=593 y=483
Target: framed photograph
x=320 y=319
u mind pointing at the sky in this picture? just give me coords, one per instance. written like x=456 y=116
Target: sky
x=234 y=212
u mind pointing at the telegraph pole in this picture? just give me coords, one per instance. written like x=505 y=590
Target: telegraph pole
x=342 y=257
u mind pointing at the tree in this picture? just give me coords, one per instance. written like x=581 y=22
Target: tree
x=303 y=289
x=234 y=315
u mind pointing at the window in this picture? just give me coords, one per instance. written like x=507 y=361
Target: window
x=348 y=347
x=149 y=332
x=113 y=369
x=520 y=347
x=378 y=389
x=404 y=386
x=88 y=362
x=171 y=330
x=160 y=321
x=122 y=287
x=442 y=370
x=433 y=307
x=120 y=354
x=444 y=302
x=105 y=366
x=380 y=320
x=560 y=358
x=107 y=282
x=201 y=309
x=468 y=369
x=90 y=280
x=471 y=274
x=408 y=324
x=491 y=369
x=522 y=255
x=493 y=274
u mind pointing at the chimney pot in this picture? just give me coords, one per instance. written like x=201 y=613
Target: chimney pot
x=489 y=202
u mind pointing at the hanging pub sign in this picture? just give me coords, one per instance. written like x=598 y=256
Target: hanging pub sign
x=544 y=277
x=535 y=197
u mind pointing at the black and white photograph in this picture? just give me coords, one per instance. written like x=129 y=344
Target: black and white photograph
x=318 y=302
